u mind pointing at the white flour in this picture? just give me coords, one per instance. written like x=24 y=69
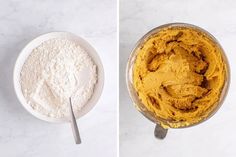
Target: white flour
x=54 y=71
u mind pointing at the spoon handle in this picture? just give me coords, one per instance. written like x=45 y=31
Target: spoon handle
x=74 y=126
x=160 y=132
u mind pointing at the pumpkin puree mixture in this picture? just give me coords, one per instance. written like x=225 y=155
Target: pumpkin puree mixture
x=179 y=74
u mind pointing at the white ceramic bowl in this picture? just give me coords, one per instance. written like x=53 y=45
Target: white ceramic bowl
x=35 y=43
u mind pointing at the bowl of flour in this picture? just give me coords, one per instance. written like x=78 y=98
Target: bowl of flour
x=53 y=68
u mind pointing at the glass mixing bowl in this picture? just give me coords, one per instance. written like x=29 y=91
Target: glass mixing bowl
x=163 y=124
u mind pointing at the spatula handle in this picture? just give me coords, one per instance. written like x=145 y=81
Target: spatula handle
x=160 y=132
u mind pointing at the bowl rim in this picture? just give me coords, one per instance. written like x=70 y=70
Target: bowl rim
x=132 y=58
x=26 y=51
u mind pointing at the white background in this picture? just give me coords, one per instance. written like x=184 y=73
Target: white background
x=215 y=137
x=22 y=135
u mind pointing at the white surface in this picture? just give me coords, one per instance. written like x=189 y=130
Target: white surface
x=37 y=42
x=21 y=134
x=215 y=137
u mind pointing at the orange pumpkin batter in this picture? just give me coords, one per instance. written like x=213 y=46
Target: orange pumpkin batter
x=179 y=74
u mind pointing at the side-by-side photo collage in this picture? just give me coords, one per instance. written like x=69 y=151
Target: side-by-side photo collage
x=117 y=78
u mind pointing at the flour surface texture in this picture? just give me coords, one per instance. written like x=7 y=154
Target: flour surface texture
x=55 y=71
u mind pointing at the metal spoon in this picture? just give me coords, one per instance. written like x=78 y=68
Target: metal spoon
x=74 y=126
